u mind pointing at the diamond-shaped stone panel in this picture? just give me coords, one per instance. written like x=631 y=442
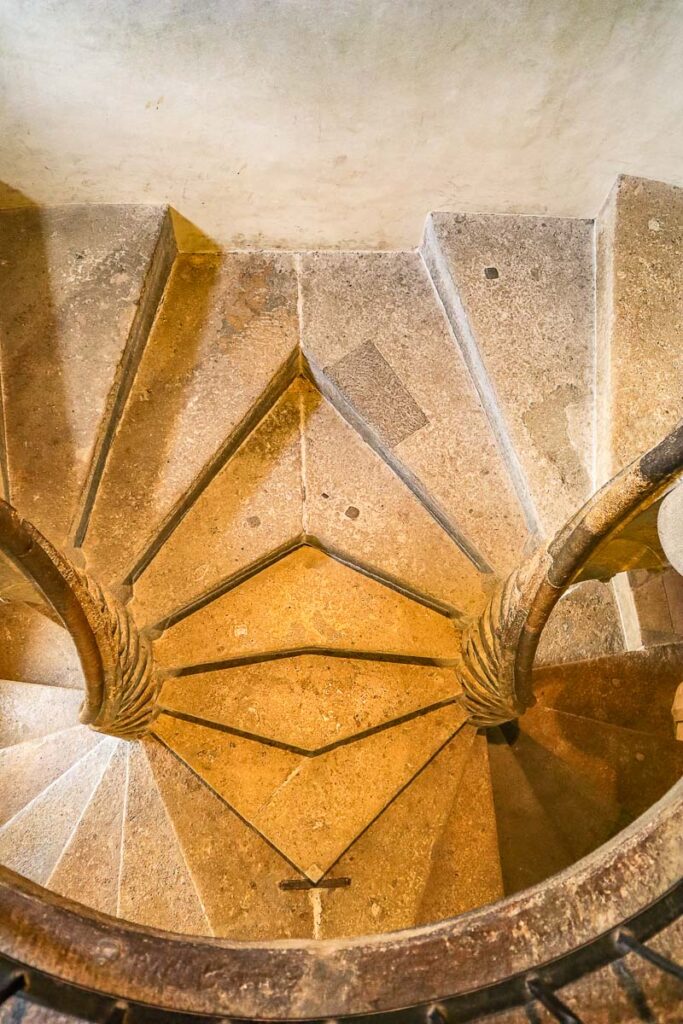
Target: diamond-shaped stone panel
x=309 y=702
x=311 y=809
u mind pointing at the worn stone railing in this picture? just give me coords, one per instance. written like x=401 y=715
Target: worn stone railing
x=615 y=531
x=120 y=684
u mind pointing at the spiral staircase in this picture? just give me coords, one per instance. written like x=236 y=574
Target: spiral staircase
x=334 y=605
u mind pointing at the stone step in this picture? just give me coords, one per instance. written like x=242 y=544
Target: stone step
x=75 y=283
x=35 y=649
x=634 y=690
x=379 y=345
x=311 y=809
x=26 y=769
x=89 y=865
x=388 y=871
x=310 y=703
x=531 y=849
x=466 y=859
x=593 y=780
x=305 y=600
x=31 y=710
x=304 y=471
x=519 y=295
x=33 y=840
x=155 y=885
x=639 y=284
x=221 y=346
x=236 y=874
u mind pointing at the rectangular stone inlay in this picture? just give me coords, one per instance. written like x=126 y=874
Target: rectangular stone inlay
x=369 y=383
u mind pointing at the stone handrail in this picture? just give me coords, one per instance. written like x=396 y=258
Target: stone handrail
x=120 y=684
x=613 y=532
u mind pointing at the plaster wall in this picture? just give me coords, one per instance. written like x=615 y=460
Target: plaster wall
x=328 y=123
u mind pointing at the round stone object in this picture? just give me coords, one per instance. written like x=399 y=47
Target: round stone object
x=670 y=527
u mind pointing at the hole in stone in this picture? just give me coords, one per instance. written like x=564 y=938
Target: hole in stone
x=352 y=512
x=491 y=273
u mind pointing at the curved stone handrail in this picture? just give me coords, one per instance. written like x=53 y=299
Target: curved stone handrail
x=120 y=684
x=498 y=650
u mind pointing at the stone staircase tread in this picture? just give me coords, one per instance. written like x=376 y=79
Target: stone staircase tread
x=388 y=868
x=526 y=286
x=634 y=690
x=311 y=809
x=309 y=702
x=236 y=873
x=466 y=860
x=88 y=868
x=155 y=885
x=593 y=780
x=34 y=649
x=27 y=768
x=30 y=710
x=640 y=279
x=71 y=280
x=226 y=327
x=531 y=849
x=371 y=324
x=307 y=599
x=305 y=471
x=32 y=841
x=251 y=507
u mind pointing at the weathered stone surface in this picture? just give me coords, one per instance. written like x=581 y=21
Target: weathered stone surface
x=358 y=308
x=30 y=710
x=526 y=285
x=26 y=769
x=155 y=886
x=358 y=505
x=34 y=649
x=389 y=866
x=32 y=841
x=584 y=624
x=465 y=861
x=658 y=599
x=307 y=599
x=531 y=848
x=311 y=809
x=70 y=283
x=640 y=318
x=236 y=873
x=88 y=868
x=226 y=326
x=250 y=508
x=370 y=384
x=304 y=470
x=592 y=781
x=309 y=701
x=633 y=690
